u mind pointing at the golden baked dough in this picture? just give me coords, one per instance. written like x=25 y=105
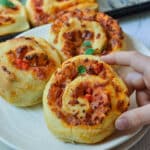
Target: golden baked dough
x=13 y=19
x=83 y=99
x=45 y=11
x=68 y=33
x=26 y=64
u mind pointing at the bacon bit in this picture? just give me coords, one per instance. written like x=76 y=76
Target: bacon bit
x=97 y=117
x=88 y=97
x=55 y=93
x=83 y=25
x=40 y=73
x=18 y=61
x=6 y=20
x=24 y=66
x=41 y=17
x=68 y=36
x=86 y=60
x=58 y=101
x=117 y=88
x=59 y=114
x=21 y=51
x=98 y=36
x=73 y=102
x=74 y=40
x=120 y=106
x=97 y=67
x=37 y=59
x=95 y=104
x=78 y=91
x=21 y=64
x=72 y=120
x=89 y=90
x=73 y=36
x=67 y=24
x=98 y=94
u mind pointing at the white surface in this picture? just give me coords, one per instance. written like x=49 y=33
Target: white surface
x=127 y=145
x=138 y=26
x=26 y=129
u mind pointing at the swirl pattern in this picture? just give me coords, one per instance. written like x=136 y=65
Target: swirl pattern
x=71 y=30
x=13 y=19
x=45 y=11
x=82 y=100
x=26 y=64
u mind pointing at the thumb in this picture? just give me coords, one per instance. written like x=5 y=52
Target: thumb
x=134 y=118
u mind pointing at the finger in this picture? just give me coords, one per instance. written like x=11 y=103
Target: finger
x=133 y=80
x=146 y=76
x=134 y=118
x=142 y=97
x=134 y=59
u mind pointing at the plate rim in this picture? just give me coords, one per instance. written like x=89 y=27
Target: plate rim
x=14 y=146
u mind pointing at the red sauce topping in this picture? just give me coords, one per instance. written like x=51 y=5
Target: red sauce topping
x=98 y=100
x=41 y=17
x=74 y=40
x=39 y=63
x=113 y=31
x=6 y=20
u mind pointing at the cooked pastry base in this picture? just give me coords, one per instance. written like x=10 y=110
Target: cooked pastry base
x=46 y=11
x=26 y=64
x=82 y=108
x=13 y=20
x=70 y=31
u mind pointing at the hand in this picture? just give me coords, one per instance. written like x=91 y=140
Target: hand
x=139 y=81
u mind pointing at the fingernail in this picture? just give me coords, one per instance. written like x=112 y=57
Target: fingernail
x=122 y=124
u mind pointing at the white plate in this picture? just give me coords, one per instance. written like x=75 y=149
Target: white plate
x=131 y=142
x=25 y=128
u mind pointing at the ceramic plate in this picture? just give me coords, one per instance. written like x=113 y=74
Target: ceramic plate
x=25 y=128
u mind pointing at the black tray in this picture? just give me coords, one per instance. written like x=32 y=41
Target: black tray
x=129 y=10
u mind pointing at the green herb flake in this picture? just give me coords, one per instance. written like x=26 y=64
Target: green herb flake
x=81 y=69
x=87 y=44
x=89 y=51
x=7 y=3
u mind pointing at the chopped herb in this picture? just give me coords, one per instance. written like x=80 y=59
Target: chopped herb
x=89 y=51
x=7 y=3
x=87 y=44
x=81 y=69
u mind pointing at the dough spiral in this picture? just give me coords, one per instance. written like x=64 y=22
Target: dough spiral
x=69 y=32
x=26 y=64
x=13 y=19
x=45 y=11
x=83 y=99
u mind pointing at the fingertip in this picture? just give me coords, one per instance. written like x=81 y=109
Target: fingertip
x=122 y=124
x=107 y=58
